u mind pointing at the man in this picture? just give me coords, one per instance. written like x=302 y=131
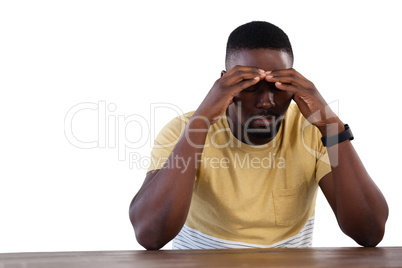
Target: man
x=243 y=169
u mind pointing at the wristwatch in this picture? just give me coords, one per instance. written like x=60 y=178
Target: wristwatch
x=338 y=138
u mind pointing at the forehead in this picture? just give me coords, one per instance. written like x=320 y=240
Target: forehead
x=265 y=59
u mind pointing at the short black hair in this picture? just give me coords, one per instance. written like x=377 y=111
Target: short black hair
x=258 y=34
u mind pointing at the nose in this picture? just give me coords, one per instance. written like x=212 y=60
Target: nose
x=266 y=99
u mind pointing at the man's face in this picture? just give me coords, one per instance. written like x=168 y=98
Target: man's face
x=257 y=111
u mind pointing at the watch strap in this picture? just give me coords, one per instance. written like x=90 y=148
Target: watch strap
x=338 y=138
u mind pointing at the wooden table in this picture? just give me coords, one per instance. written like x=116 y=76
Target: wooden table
x=296 y=257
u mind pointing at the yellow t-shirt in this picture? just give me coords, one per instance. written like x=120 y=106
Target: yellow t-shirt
x=250 y=196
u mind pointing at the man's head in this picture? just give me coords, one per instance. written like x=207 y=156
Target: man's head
x=256 y=35
x=256 y=112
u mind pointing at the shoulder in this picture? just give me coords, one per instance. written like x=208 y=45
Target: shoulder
x=178 y=121
x=174 y=127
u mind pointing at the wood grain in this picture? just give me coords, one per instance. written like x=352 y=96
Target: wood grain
x=296 y=257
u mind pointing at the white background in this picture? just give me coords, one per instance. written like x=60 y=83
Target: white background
x=54 y=55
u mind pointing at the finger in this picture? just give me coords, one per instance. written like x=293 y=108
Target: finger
x=292 y=80
x=289 y=76
x=236 y=88
x=291 y=73
x=243 y=75
x=243 y=69
x=288 y=87
x=287 y=72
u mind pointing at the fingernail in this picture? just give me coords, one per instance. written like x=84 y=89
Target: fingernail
x=268 y=72
x=261 y=71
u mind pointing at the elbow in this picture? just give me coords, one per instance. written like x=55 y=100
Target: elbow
x=145 y=233
x=370 y=236
x=147 y=242
x=371 y=239
x=367 y=231
x=149 y=237
x=370 y=242
x=374 y=232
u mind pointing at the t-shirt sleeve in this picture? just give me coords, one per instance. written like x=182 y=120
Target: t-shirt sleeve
x=166 y=141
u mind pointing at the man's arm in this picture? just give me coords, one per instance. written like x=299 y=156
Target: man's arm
x=358 y=204
x=160 y=208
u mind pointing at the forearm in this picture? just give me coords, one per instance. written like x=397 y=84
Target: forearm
x=360 y=207
x=160 y=208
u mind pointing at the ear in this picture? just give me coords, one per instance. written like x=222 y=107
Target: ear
x=223 y=72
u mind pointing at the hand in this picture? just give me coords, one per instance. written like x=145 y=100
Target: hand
x=225 y=88
x=310 y=102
